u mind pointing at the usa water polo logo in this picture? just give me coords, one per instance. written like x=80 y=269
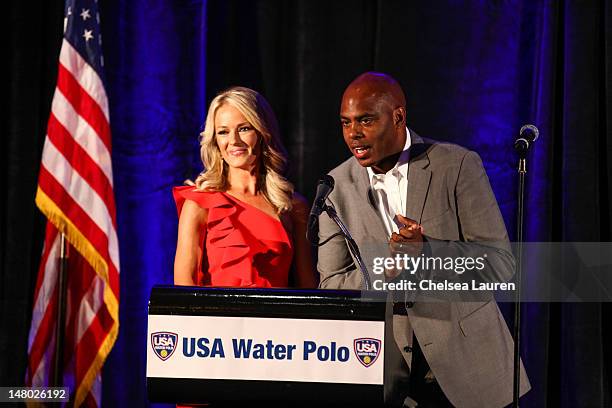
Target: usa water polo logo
x=164 y=344
x=367 y=350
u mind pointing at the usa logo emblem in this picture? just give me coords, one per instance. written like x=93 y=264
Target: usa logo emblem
x=367 y=350
x=164 y=344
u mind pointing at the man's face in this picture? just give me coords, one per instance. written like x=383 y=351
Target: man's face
x=369 y=130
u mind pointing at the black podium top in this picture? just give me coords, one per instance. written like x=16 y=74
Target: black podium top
x=267 y=302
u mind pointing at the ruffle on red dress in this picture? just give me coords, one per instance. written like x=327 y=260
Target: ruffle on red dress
x=244 y=246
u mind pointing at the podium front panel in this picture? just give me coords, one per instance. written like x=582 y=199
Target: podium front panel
x=228 y=346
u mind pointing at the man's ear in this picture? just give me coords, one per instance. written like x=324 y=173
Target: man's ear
x=399 y=117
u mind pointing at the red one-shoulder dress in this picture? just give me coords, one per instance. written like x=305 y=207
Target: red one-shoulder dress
x=244 y=246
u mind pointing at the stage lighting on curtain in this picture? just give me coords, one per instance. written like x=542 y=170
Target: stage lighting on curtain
x=75 y=193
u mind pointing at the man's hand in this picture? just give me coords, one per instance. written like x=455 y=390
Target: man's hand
x=412 y=231
x=408 y=241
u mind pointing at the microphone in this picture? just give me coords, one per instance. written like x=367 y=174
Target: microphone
x=527 y=135
x=324 y=187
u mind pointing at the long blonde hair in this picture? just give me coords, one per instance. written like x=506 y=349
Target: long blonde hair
x=271 y=178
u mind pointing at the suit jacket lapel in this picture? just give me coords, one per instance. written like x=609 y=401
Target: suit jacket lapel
x=370 y=215
x=419 y=177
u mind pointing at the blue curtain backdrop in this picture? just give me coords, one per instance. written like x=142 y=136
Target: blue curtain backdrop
x=473 y=74
x=155 y=69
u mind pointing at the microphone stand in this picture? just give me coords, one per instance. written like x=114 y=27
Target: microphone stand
x=353 y=248
x=522 y=171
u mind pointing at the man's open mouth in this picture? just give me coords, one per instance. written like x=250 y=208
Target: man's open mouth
x=361 y=151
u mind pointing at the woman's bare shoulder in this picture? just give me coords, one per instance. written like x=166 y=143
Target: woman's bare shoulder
x=193 y=210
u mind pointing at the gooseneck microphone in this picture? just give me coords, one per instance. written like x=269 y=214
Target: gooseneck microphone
x=527 y=135
x=324 y=188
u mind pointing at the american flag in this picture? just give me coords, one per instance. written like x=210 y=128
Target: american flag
x=75 y=193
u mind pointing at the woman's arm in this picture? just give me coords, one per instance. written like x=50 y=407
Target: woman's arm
x=305 y=276
x=191 y=233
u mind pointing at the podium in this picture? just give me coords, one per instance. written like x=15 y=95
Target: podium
x=265 y=347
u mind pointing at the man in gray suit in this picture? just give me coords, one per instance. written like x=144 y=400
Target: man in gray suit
x=421 y=197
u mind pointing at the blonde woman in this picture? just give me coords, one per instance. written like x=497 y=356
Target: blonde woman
x=242 y=224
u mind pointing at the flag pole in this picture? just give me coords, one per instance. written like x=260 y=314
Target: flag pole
x=60 y=321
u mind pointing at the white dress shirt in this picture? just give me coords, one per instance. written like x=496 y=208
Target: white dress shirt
x=391 y=189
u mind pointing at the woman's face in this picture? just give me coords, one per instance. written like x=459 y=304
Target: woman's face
x=236 y=138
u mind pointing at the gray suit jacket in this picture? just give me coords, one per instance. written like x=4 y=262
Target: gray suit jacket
x=466 y=343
